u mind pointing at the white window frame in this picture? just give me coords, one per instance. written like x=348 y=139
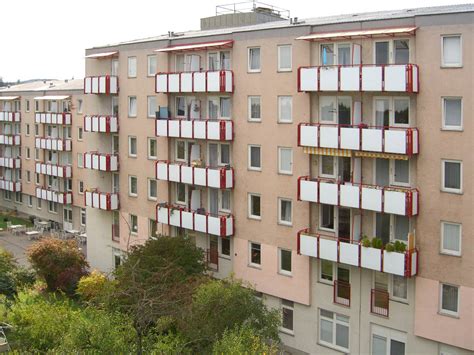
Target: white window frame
x=30 y=201
x=186 y=191
x=334 y=322
x=447 y=189
x=133 y=230
x=280 y=221
x=132 y=67
x=446 y=311
x=392 y=227
x=149 y=57
x=83 y=219
x=150 y=197
x=391 y=49
x=391 y=289
x=280 y=170
x=279 y=47
x=286 y=305
x=336 y=57
x=80 y=187
x=80 y=134
x=80 y=103
x=55 y=207
x=250 y=255
x=130 y=192
x=152 y=157
x=448 y=251
x=443 y=110
x=219 y=67
x=458 y=65
x=280 y=269
x=391 y=107
x=249 y=103
x=80 y=160
x=250 y=70
x=221 y=209
x=185 y=150
x=151 y=114
x=389 y=335
x=320 y=227
x=130 y=154
x=393 y=182
x=249 y=165
x=334 y=167
x=280 y=99
x=176 y=106
x=334 y=268
x=249 y=214
x=130 y=113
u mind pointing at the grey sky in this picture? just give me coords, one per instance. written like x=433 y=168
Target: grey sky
x=46 y=39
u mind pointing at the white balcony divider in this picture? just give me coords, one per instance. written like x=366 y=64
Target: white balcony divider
x=188 y=219
x=219 y=178
x=101 y=200
x=63 y=118
x=100 y=161
x=105 y=84
x=353 y=253
x=222 y=130
x=13 y=186
x=205 y=81
x=53 y=144
x=376 y=78
x=10 y=139
x=12 y=163
x=103 y=124
x=391 y=140
x=64 y=198
x=10 y=116
x=393 y=200
x=54 y=170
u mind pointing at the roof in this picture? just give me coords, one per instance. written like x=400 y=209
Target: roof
x=46 y=85
x=317 y=21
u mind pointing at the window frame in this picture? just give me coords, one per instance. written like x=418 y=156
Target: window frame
x=280 y=221
x=80 y=187
x=249 y=104
x=132 y=70
x=443 y=175
x=251 y=263
x=152 y=114
x=288 y=305
x=133 y=231
x=152 y=157
x=186 y=192
x=334 y=321
x=280 y=259
x=279 y=101
x=150 y=197
x=83 y=217
x=448 y=251
x=130 y=154
x=249 y=69
x=249 y=164
x=447 y=312
x=130 y=193
x=280 y=170
x=458 y=65
x=443 y=114
x=220 y=208
x=279 y=68
x=250 y=204
x=130 y=113
x=151 y=56
x=320 y=227
x=186 y=153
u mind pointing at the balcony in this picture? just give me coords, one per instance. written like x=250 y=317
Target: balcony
x=10 y=116
x=105 y=84
x=60 y=171
x=101 y=162
x=342 y=293
x=353 y=253
x=64 y=198
x=200 y=222
x=10 y=139
x=394 y=200
x=64 y=118
x=221 y=81
x=379 y=302
x=7 y=185
x=365 y=77
x=219 y=178
x=64 y=145
x=389 y=140
x=102 y=200
x=222 y=130
x=101 y=124
x=11 y=163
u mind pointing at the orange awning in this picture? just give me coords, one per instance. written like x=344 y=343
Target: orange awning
x=197 y=46
x=379 y=32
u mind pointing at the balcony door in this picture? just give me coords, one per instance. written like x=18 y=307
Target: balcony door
x=337 y=110
x=213 y=196
x=115 y=183
x=335 y=54
x=213 y=155
x=382 y=52
x=344 y=223
x=382 y=112
x=382 y=227
x=213 y=251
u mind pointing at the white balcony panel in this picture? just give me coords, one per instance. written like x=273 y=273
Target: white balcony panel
x=102 y=85
x=349 y=253
x=214 y=178
x=162 y=171
x=186 y=82
x=371 y=199
x=308 y=245
x=328 y=79
x=95 y=84
x=187 y=129
x=229 y=224
x=350 y=78
x=328 y=136
x=309 y=79
x=175 y=218
x=213 y=81
x=349 y=196
x=214 y=225
x=396 y=141
x=308 y=136
x=328 y=249
x=395 y=202
x=309 y=191
x=200 y=222
x=415 y=78
x=396 y=78
x=173 y=82
x=229 y=81
x=372 y=78
x=394 y=263
x=87 y=85
x=200 y=176
x=173 y=128
x=415 y=141
x=372 y=140
x=414 y=202
x=174 y=172
x=114 y=85
x=371 y=258
x=200 y=82
x=414 y=263
x=200 y=129
x=163 y=215
x=187 y=220
x=187 y=174
x=10 y=116
x=161 y=83
x=350 y=138
x=213 y=130
x=328 y=193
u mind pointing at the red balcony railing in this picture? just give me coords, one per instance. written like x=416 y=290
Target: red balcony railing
x=197 y=81
x=102 y=124
x=10 y=139
x=6 y=116
x=222 y=130
x=101 y=161
x=53 y=144
x=13 y=186
x=61 y=171
x=12 y=163
x=63 y=118
x=48 y=194
x=102 y=200
x=342 y=293
x=379 y=302
x=105 y=84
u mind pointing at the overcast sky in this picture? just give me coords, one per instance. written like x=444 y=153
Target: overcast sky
x=47 y=38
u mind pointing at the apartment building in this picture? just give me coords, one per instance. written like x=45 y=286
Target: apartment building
x=41 y=150
x=283 y=147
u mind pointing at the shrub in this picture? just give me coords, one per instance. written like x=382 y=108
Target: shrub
x=377 y=243
x=400 y=247
x=365 y=242
x=390 y=247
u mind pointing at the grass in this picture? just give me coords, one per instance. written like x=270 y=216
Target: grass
x=14 y=220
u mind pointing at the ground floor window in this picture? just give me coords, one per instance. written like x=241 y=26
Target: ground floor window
x=334 y=330
x=387 y=341
x=287 y=315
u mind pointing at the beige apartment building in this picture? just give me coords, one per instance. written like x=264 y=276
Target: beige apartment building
x=282 y=147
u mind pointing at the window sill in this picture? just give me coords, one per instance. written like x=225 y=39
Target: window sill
x=254 y=169
x=226 y=257
x=285 y=174
x=329 y=346
x=446 y=253
x=254 y=266
x=452 y=192
x=284 y=274
x=254 y=71
x=132 y=156
x=287 y=331
x=254 y=121
x=441 y=313
x=285 y=122
x=327 y=283
x=254 y=218
x=131 y=195
x=152 y=199
x=460 y=66
x=283 y=224
x=454 y=129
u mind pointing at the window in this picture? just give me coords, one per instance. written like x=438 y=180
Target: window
x=52 y=207
x=30 y=201
x=218 y=60
x=254 y=206
x=255 y=158
x=83 y=217
x=37 y=179
x=152 y=106
x=134 y=224
x=28 y=176
x=335 y=53
x=255 y=254
x=181 y=194
x=27 y=105
x=334 y=330
x=285 y=160
x=325 y=271
x=284 y=261
x=224 y=154
x=287 y=316
x=326 y=217
x=80 y=185
x=80 y=132
x=401 y=108
x=132 y=67
x=36 y=130
x=132 y=186
x=79 y=106
x=225 y=201
x=27 y=152
x=451 y=176
x=399 y=287
x=18 y=197
x=225 y=107
x=27 y=129
x=181 y=151
x=254 y=60
x=401 y=172
x=132 y=146
x=285 y=109
x=284 y=58
x=132 y=106
x=152 y=65
x=67 y=215
x=387 y=341
x=180 y=102
x=401 y=48
x=67 y=132
x=254 y=109
x=152 y=148
x=80 y=160
x=152 y=228
x=284 y=211
x=451 y=51
x=37 y=106
x=452 y=113
x=38 y=203
x=225 y=246
x=451 y=238
x=152 y=190
x=449 y=296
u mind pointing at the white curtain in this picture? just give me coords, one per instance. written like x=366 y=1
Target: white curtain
x=452 y=50
x=451 y=236
x=255 y=58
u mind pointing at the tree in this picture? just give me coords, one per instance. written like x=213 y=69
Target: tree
x=12 y=276
x=59 y=262
x=221 y=305
x=93 y=288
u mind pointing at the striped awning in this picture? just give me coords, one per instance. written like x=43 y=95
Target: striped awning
x=381 y=155
x=328 y=151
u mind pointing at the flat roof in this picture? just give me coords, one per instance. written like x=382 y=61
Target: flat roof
x=45 y=85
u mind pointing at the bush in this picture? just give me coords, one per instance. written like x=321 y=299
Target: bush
x=93 y=287
x=390 y=247
x=60 y=263
x=365 y=242
x=377 y=243
x=12 y=276
x=400 y=247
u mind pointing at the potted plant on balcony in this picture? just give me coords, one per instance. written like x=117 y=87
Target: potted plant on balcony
x=377 y=243
x=365 y=242
x=400 y=247
x=390 y=247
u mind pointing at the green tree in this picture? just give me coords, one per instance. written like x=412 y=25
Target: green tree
x=59 y=262
x=12 y=276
